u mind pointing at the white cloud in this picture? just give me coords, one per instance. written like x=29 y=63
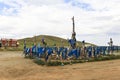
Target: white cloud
x=44 y=2
x=53 y=17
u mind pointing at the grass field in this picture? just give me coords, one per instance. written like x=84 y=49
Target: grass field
x=50 y=40
x=13 y=66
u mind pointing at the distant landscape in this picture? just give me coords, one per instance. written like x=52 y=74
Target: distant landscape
x=50 y=40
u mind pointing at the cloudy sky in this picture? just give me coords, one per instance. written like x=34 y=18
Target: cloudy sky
x=96 y=21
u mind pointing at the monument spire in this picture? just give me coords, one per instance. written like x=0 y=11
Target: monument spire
x=72 y=41
x=73 y=24
x=73 y=33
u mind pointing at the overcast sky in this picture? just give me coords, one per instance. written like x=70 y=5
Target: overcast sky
x=96 y=21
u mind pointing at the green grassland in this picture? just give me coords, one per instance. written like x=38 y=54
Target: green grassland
x=50 y=40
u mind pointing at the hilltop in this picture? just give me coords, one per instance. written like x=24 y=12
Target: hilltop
x=51 y=40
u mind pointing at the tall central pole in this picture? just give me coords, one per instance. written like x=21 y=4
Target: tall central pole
x=73 y=24
x=73 y=33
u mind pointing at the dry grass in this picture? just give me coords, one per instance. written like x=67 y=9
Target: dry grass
x=13 y=66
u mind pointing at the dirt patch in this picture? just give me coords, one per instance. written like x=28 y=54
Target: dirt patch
x=13 y=66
